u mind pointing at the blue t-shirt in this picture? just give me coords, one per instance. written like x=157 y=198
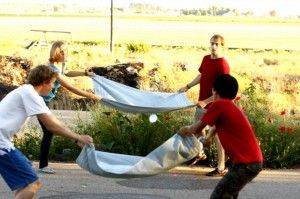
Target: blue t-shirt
x=53 y=92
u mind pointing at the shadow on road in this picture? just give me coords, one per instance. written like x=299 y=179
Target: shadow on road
x=104 y=196
x=167 y=181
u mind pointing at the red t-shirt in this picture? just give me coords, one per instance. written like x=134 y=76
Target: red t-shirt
x=235 y=132
x=210 y=69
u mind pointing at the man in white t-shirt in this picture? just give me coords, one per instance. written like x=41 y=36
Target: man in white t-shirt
x=15 y=108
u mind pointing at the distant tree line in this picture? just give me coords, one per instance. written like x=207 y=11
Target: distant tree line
x=210 y=11
x=144 y=8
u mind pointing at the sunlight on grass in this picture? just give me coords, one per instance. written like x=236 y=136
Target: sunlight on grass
x=177 y=52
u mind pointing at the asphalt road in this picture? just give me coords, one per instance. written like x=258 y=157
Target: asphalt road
x=71 y=182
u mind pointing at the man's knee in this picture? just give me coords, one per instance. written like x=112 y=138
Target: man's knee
x=33 y=187
x=36 y=186
x=29 y=191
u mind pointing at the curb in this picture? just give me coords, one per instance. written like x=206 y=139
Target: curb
x=197 y=170
x=178 y=169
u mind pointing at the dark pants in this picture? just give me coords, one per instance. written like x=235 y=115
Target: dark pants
x=236 y=178
x=45 y=145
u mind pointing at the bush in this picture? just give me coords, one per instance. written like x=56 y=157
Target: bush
x=63 y=149
x=137 y=48
x=29 y=143
x=278 y=133
x=132 y=134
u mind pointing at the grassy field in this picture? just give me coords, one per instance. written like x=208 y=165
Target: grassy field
x=172 y=42
x=260 y=33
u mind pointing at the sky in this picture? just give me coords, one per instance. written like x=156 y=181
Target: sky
x=282 y=7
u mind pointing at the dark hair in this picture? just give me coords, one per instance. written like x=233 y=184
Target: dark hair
x=39 y=75
x=226 y=86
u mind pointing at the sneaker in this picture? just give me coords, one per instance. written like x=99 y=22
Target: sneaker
x=216 y=172
x=47 y=170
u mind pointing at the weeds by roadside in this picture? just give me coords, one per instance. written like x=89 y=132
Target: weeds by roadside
x=133 y=134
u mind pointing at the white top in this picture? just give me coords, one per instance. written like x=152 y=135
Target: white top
x=15 y=108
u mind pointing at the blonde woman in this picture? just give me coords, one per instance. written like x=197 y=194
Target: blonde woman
x=58 y=55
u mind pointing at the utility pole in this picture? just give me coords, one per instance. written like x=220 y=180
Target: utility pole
x=111 y=25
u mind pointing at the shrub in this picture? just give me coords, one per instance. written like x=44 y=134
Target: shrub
x=271 y=61
x=139 y=48
x=278 y=134
x=29 y=142
x=132 y=134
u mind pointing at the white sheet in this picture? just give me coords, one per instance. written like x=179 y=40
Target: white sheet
x=133 y=100
x=173 y=152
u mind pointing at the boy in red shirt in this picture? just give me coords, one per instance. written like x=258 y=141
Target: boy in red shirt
x=236 y=136
x=211 y=67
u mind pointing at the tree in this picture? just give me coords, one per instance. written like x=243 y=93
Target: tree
x=272 y=13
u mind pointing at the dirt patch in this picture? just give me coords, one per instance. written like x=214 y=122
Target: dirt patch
x=14 y=71
x=125 y=73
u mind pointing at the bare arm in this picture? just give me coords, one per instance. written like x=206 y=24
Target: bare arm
x=195 y=129
x=203 y=103
x=77 y=91
x=209 y=136
x=194 y=82
x=75 y=73
x=57 y=127
x=87 y=72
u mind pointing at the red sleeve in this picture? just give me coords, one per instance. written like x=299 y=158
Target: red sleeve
x=225 y=67
x=213 y=113
x=202 y=63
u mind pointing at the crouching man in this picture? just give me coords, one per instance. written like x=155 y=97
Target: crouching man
x=15 y=108
x=236 y=136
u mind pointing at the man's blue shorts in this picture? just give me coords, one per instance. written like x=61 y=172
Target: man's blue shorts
x=16 y=169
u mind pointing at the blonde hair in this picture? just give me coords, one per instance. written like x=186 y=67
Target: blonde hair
x=218 y=38
x=55 y=52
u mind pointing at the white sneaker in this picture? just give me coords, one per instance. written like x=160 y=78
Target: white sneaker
x=47 y=170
